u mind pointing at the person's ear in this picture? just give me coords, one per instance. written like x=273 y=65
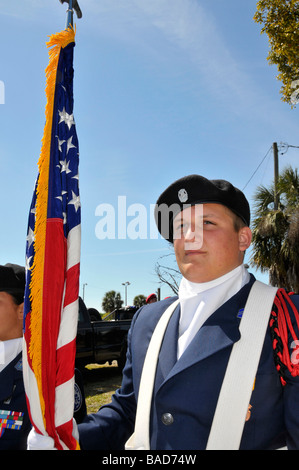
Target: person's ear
x=21 y=311
x=245 y=237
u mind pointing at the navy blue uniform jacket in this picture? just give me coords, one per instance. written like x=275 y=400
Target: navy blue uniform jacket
x=186 y=391
x=12 y=398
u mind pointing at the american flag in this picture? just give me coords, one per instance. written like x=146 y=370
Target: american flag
x=53 y=258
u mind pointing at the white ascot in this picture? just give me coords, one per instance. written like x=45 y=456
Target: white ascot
x=199 y=301
x=9 y=350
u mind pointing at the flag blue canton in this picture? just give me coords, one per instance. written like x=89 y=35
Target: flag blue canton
x=64 y=199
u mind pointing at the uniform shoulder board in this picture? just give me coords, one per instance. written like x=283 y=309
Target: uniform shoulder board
x=284 y=325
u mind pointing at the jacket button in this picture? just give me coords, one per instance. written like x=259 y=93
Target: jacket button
x=167 y=419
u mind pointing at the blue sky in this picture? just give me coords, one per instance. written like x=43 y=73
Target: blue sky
x=163 y=88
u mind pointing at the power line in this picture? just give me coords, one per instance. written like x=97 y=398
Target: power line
x=257 y=168
x=285 y=147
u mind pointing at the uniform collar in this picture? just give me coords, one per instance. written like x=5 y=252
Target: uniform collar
x=189 y=289
x=9 y=350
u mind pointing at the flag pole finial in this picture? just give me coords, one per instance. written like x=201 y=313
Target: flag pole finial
x=72 y=5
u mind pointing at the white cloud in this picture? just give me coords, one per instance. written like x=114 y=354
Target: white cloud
x=186 y=27
x=156 y=26
x=175 y=32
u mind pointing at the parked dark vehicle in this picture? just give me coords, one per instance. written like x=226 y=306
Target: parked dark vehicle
x=100 y=341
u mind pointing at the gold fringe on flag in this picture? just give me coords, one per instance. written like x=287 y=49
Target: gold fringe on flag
x=55 y=43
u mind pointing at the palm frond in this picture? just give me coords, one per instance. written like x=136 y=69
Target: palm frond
x=276 y=232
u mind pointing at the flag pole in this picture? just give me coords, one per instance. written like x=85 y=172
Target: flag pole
x=70 y=15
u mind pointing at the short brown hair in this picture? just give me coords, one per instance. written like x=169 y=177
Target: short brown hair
x=238 y=223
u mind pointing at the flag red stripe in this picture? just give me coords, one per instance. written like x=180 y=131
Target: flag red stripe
x=65 y=434
x=72 y=285
x=65 y=366
x=54 y=269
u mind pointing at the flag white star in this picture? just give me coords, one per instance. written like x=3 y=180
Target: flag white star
x=62 y=194
x=75 y=201
x=30 y=237
x=60 y=142
x=70 y=145
x=65 y=166
x=27 y=265
x=67 y=118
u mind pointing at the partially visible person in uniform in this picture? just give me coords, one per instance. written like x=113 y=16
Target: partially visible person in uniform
x=152 y=298
x=80 y=409
x=14 y=420
x=208 y=223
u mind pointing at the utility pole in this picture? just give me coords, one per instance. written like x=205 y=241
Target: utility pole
x=159 y=293
x=276 y=174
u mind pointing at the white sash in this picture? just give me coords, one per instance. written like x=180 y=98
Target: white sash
x=236 y=390
x=140 y=438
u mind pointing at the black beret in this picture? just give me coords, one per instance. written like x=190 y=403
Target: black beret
x=195 y=189
x=12 y=279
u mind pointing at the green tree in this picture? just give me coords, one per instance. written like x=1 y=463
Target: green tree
x=139 y=300
x=276 y=232
x=111 y=301
x=280 y=20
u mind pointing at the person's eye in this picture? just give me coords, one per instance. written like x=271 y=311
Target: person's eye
x=208 y=222
x=177 y=229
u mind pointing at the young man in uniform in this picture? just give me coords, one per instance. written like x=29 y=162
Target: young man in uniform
x=208 y=223
x=14 y=420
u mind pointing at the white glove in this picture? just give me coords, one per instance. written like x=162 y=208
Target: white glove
x=37 y=441
x=75 y=430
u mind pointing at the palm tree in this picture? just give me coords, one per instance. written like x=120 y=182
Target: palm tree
x=139 y=300
x=276 y=232
x=111 y=301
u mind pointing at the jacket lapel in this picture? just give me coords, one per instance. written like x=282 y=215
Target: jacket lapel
x=7 y=378
x=168 y=352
